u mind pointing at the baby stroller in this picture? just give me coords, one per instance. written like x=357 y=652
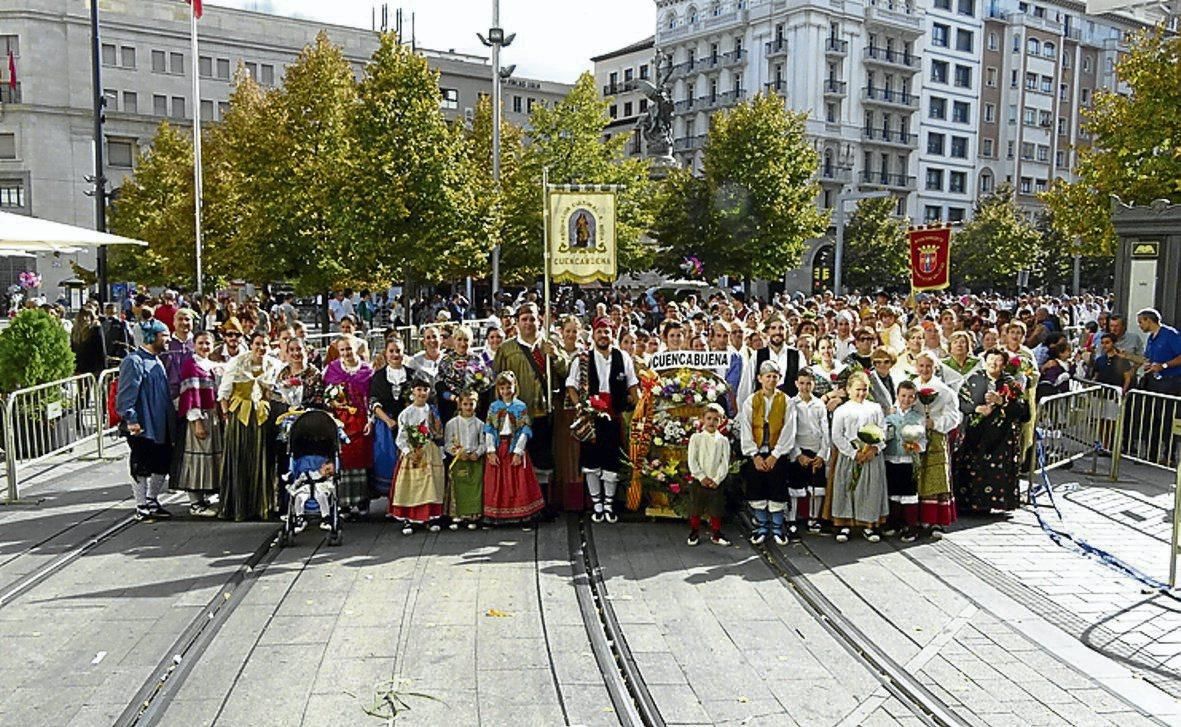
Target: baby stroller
x=313 y=438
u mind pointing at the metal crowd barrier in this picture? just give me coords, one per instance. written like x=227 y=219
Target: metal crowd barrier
x=1073 y=425
x=1148 y=435
x=49 y=419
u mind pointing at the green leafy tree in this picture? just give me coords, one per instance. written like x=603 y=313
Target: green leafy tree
x=757 y=179
x=478 y=153
x=1136 y=153
x=995 y=244
x=413 y=204
x=876 y=250
x=34 y=349
x=1056 y=265
x=567 y=138
x=156 y=205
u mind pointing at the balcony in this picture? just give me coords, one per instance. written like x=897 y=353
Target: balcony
x=833 y=87
x=894 y=15
x=730 y=98
x=890 y=137
x=614 y=89
x=733 y=58
x=836 y=47
x=689 y=143
x=777 y=86
x=884 y=180
x=684 y=106
x=682 y=69
x=707 y=24
x=776 y=48
x=833 y=174
x=890 y=98
x=8 y=94
x=891 y=58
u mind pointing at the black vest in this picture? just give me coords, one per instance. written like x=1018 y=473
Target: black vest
x=787 y=381
x=617 y=386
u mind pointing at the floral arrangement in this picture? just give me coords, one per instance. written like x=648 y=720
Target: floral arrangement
x=1018 y=365
x=669 y=431
x=665 y=473
x=418 y=436
x=868 y=436
x=927 y=395
x=1010 y=391
x=691 y=388
x=912 y=436
x=337 y=396
x=693 y=267
x=29 y=280
x=465 y=374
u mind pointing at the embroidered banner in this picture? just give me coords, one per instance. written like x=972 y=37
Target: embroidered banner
x=582 y=237
x=930 y=258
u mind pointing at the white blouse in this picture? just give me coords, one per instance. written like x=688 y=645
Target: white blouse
x=464 y=433
x=944 y=411
x=848 y=419
x=709 y=456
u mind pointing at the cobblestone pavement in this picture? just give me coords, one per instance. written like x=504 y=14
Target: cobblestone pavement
x=483 y=627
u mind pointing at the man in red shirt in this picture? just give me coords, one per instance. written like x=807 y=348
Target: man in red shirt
x=166 y=311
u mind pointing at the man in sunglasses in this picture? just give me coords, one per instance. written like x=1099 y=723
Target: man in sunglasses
x=231 y=334
x=864 y=340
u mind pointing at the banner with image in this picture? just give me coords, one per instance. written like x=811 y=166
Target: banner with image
x=930 y=258
x=582 y=237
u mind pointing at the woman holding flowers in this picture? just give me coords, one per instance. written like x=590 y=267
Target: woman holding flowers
x=460 y=370
x=416 y=497
x=994 y=405
x=941 y=412
x=247 y=488
x=346 y=392
x=300 y=385
x=859 y=495
x=566 y=486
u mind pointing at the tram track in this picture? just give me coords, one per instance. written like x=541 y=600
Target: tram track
x=625 y=684
x=892 y=675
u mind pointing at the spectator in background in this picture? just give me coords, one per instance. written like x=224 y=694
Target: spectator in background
x=1129 y=342
x=166 y=311
x=86 y=340
x=116 y=335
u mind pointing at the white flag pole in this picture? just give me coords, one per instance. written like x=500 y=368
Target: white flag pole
x=197 y=173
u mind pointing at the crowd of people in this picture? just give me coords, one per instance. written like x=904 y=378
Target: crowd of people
x=860 y=415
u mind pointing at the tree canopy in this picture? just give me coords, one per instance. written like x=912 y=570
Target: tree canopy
x=876 y=251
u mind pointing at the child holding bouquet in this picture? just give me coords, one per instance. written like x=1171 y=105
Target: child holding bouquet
x=511 y=492
x=859 y=496
x=709 y=465
x=416 y=497
x=906 y=439
x=464 y=440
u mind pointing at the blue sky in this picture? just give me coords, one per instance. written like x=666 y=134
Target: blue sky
x=555 y=38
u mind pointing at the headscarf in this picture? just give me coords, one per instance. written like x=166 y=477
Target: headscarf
x=151 y=329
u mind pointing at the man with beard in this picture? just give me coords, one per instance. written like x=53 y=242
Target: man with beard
x=777 y=350
x=145 y=406
x=525 y=356
x=604 y=379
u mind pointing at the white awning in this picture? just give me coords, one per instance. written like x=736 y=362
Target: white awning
x=22 y=233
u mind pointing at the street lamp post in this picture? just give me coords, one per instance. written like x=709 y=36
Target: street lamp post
x=838 y=259
x=99 y=179
x=496 y=40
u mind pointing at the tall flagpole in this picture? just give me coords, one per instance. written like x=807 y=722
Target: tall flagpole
x=545 y=217
x=198 y=183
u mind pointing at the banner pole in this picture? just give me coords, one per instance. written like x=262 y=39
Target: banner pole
x=545 y=316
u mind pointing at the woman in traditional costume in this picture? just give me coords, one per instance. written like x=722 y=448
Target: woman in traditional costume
x=389 y=390
x=940 y=407
x=566 y=486
x=995 y=408
x=346 y=382
x=247 y=488
x=201 y=463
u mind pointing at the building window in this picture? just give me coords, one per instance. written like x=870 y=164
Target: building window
x=644 y=70
x=1066 y=60
x=985 y=182
x=128 y=56
x=989 y=113
x=1049 y=50
x=205 y=66
x=1043 y=153
x=1033 y=47
x=986 y=148
x=937 y=108
x=643 y=105
x=1085 y=96
x=529 y=104
x=518 y=105
x=223 y=108
x=931 y=213
x=207 y=109
x=1029 y=117
x=159 y=105
x=1060 y=158
x=943 y=4
x=1063 y=91
x=959 y=147
x=12 y=193
x=963 y=76
x=1026 y=185
x=934 y=143
x=957 y=182
x=178 y=107
x=990 y=77
x=614 y=111
x=1061 y=126
x=939 y=71
x=935 y=180
x=252 y=70
x=110 y=55
x=1013 y=79
x=8 y=146
x=159 y=62
x=1044 y=119
x=1087 y=64
x=992 y=43
x=939 y=35
x=450 y=98
x=1030 y=81
x=967 y=7
x=268 y=74
x=955 y=214
x=1039 y=186
x=9 y=44
x=120 y=153
x=1047 y=84
x=963 y=40
x=223 y=69
x=1016 y=43
x=628 y=74
x=1027 y=150
x=176 y=63
x=960 y=110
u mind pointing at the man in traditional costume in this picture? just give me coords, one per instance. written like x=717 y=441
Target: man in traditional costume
x=603 y=379
x=777 y=350
x=145 y=406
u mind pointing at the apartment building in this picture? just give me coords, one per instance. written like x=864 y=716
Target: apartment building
x=617 y=73
x=46 y=128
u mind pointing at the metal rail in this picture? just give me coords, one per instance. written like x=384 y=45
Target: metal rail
x=633 y=702
x=893 y=676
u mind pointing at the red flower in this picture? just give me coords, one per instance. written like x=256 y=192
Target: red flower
x=601 y=402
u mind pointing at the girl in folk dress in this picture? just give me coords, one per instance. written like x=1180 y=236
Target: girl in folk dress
x=511 y=492
x=859 y=501
x=941 y=417
x=416 y=497
x=464 y=442
x=200 y=467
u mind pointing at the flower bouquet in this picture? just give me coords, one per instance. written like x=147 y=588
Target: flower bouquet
x=870 y=435
x=669 y=431
x=418 y=436
x=927 y=395
x=336 y=396
x=29 y=280
x=687 y=388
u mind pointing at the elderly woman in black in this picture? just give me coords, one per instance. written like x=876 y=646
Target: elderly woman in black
x=988 y=460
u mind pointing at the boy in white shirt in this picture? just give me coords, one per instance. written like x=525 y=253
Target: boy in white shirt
x=806 y=475
x=709 y=465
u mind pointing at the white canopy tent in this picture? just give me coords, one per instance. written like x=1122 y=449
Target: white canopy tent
x=21 y=233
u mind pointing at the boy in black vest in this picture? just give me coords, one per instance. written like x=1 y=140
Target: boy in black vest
x=767 y=424
x=605 y=380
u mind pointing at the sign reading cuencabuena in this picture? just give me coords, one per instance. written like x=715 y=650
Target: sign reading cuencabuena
x=705 y=360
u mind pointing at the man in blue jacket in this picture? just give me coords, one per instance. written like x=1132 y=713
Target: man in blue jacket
x=145 y=405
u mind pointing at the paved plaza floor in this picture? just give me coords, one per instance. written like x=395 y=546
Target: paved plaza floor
x=201 y=622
